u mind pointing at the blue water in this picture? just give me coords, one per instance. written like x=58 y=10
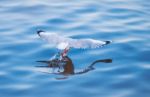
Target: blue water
x=125 y=22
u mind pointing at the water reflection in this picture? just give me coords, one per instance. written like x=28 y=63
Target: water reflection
x=65 y=66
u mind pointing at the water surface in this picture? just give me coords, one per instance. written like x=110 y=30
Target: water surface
x=126 y=23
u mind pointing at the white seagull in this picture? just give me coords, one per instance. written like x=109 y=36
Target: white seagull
x=65 y=43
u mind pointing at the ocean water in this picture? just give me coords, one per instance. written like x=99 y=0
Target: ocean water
x=125 y=22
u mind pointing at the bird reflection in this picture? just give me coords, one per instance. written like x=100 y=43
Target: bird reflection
x=65 y=66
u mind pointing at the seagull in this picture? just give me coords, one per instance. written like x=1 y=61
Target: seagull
x=65 y=43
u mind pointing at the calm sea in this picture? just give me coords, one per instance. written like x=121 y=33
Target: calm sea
x=125 y=22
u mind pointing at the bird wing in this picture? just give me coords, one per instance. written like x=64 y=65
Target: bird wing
x=87 y=43
x=54 y=39
x=62 y=42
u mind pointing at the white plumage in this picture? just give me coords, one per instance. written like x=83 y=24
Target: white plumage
x=61 y=42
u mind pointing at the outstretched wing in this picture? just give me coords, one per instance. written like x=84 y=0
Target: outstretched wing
x=54 y=39
x=62 y=42
x=87 y=43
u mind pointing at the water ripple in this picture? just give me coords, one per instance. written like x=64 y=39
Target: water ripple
x=126 y=23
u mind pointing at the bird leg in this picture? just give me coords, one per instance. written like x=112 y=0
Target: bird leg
x=65 y=51
x=59 y=59
x=62 y=58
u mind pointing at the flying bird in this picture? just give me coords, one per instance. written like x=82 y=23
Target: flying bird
x=65 y=43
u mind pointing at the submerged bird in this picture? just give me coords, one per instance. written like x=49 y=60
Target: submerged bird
x=65 y=43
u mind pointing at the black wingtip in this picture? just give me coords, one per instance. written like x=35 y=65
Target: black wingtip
x=39 y=31
x=108 y=42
